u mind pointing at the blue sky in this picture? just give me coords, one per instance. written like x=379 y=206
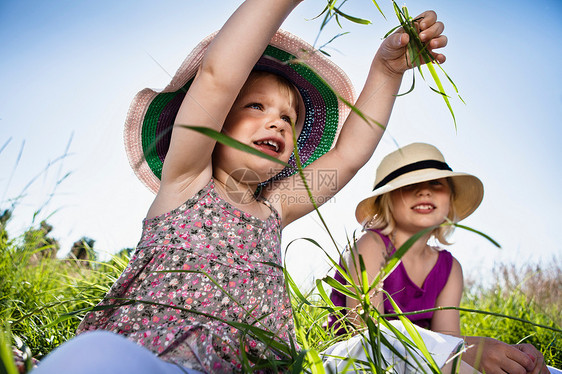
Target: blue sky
x=70 y=69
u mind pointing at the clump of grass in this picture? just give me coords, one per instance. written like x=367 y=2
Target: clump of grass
x=42 y=295
x=540 y=284
x=531 y=292
x=35 y=293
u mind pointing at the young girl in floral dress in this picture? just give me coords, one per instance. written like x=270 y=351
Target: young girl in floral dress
x=209 y=257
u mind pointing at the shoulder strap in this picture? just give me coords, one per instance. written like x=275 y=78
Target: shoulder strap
x=268 y=204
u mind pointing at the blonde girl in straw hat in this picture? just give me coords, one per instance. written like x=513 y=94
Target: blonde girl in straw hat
x=204 y=261
x=415 y=190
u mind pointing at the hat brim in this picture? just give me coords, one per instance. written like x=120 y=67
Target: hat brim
x=319 y=81
x=469 y=192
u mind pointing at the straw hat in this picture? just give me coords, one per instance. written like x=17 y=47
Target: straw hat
x=415 y=163
x=318 y=80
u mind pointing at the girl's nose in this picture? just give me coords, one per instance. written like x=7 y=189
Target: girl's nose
x=277 y=124
x=423 y=189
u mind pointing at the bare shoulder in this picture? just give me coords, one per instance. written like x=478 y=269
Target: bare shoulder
x=173 y=194
x=452 y=291
x=371 y=247
x=371 y=240
x=456 y=269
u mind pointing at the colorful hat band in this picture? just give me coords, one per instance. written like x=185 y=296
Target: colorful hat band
x=320 y=122
x=157 y=127
x=425 y=164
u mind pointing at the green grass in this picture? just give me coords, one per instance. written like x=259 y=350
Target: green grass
x=532 y=293
x=36 y=292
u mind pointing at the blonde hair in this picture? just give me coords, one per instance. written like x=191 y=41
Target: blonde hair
x=283 y=83
x=384 y=221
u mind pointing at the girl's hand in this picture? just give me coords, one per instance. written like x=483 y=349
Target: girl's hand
x=536 y=356
x=497 y=357
x=393 y=55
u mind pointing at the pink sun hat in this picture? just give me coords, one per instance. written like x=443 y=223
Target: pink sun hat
x=321 y=84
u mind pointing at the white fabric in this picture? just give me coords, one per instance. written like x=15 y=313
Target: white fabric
x=441 y=346
x=104 y=352
x=554 y=370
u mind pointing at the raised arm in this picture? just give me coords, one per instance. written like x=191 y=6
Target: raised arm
x=358 y=140
x=224 y=69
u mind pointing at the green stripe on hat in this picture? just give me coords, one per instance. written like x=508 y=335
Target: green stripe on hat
x=149 y=136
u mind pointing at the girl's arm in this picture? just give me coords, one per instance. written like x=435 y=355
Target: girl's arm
x=448 y=321
x=358 y=140
x=223 y=71
x=371 y=247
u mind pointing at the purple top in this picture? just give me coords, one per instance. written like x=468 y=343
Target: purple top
x=405 y=293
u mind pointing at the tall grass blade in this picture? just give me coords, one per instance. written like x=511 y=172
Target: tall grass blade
x=7 y=364
x=479 y=233
x=357 y=111
x=414 y=334
x=305 y=183
x=358 y=20
x=294 y=288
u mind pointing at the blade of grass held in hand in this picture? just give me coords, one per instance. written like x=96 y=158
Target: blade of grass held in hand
x=353 y=19
x=419 y=56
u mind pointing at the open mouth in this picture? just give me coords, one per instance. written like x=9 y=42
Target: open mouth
x=424 y=208
x=270 y=146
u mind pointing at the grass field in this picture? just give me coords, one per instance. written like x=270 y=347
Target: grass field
x=38 y=292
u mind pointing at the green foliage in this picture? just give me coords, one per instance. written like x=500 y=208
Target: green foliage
x=41 y=302
x=36 y=291
x=531 y=293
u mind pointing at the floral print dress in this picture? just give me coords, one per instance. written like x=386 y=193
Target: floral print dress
x=200 y=264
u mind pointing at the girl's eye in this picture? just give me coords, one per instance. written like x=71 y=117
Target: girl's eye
x=435 y=183
x=286 y=119
x=255 y=106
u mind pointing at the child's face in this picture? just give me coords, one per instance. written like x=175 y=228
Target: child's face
x=421 y=205
x=260 y=117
